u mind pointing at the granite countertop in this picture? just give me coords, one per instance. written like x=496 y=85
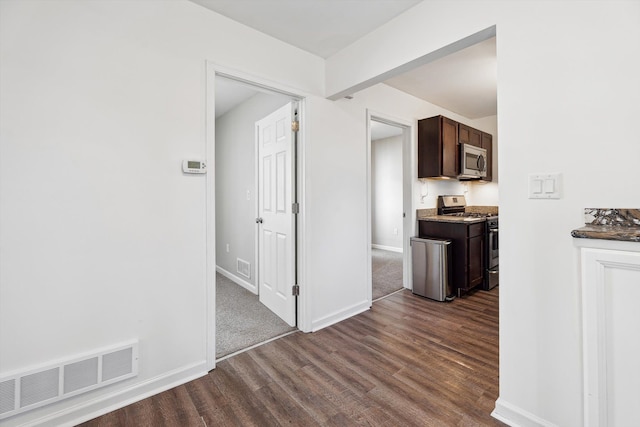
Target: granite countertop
x=610 y=224
x=449 y=218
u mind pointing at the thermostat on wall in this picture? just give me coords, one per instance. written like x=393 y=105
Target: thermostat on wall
x=194 y=166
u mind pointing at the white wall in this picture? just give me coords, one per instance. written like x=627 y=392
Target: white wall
x=102 y=238
x=386 y=192
x=334 y=212
x=235 y=178
x=567 y=102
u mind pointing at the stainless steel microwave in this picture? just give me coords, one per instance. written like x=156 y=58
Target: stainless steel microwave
x=473 y=162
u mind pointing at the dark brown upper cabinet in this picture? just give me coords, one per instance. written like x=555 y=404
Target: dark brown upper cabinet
x=439 y=139
x=469 y=135
x=438 y=148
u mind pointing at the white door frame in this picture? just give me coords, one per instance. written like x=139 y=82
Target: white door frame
x=212 y=70
x=408 y=178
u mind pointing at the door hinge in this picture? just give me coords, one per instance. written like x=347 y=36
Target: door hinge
x=295 y=126
x=295 y=290
x=295 y=208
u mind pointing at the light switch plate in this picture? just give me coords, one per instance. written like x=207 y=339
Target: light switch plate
x=544 y=185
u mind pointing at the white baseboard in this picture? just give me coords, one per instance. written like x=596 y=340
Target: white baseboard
x=387 y=248
x=339 y=316
x=86 y=410
x=517 y=417
x=235 y=279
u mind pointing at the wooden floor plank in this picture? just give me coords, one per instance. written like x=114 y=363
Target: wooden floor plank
x=408 y=361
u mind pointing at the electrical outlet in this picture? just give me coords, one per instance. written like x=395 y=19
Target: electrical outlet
x=248 y=194
x=395 y=231
x=227 y=248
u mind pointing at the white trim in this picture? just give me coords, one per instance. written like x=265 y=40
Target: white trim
x=304 y=311
x=210 y=214
x=341 y=315
x=408 y=178
x=387 y=248
x=258 y=82
x=517 y=417
x=256 y=209
x=237 y=280
x=104 y=404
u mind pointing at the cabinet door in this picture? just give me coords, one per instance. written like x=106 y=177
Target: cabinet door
x=469 y=135
x=450 y=157
x=610 y=291
x=475 y=269
x=487 y=144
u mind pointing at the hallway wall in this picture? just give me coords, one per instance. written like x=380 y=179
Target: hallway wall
x=236 y=191
x=386 y=192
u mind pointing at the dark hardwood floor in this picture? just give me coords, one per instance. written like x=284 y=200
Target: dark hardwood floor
x=408 y=361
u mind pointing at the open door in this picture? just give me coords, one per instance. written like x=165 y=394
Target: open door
x=276 y=220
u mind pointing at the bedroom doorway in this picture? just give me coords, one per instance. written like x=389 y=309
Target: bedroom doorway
x=242 y=320
x=389 y=205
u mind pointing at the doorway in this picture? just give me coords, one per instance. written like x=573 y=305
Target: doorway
x=241 y=319
x=389 y=185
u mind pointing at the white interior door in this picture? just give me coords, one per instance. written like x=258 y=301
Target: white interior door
x=276 y=236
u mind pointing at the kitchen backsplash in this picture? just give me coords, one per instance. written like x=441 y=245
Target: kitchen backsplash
x=492 y=210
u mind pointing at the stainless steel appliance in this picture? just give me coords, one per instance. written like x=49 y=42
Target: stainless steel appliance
x=492 y=277
x=431 y=264
x=473 y=162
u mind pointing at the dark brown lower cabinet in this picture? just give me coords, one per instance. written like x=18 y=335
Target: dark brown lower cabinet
x=467 y=250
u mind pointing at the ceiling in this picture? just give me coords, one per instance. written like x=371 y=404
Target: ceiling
x=382 y=130
x=463 y=82
x=321 y=27
x=230 y=94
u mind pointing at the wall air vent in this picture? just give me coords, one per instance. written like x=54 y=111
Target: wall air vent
x=243 y=268
x=32 y=388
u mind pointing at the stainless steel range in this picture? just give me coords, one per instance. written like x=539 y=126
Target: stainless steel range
x=456 y=206
x=492 y=272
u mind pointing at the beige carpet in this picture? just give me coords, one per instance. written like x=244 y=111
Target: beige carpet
x=386 y=272
x=241 y=319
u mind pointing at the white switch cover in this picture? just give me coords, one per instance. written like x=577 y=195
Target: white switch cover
x=544 y=186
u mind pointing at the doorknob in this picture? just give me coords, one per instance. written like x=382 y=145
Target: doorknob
x=258 y=220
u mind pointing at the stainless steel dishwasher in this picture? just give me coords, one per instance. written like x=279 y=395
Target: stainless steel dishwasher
x=431 y=264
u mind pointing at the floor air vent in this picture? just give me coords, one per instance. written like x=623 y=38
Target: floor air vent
x=243 y=268
x=33 y=388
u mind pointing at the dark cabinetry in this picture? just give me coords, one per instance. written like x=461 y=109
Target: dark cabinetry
x=469 y=135
x=439 y=140
x=438 y=148
x=467 y=250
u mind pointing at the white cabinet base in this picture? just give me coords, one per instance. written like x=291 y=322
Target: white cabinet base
x=611 y=332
